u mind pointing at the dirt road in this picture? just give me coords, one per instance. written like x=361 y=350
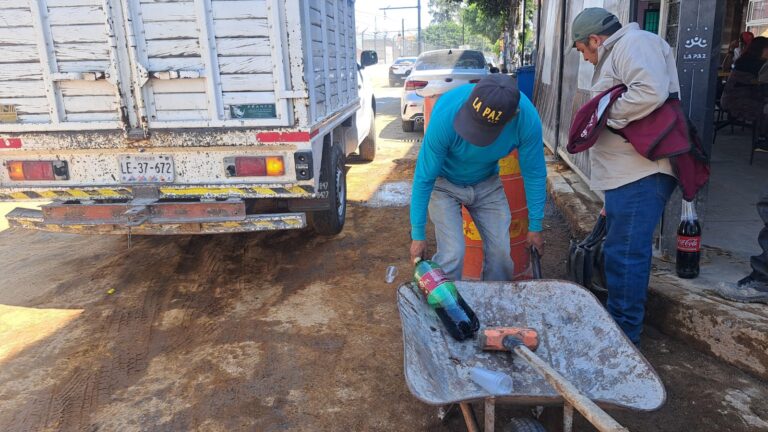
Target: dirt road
x=264 y=332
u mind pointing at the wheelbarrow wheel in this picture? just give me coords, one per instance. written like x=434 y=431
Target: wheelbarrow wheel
x=524 y=425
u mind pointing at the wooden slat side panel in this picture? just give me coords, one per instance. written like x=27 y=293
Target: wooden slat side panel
x=76 y=15
x=258 y=46
x=27 y=105
x=31 y=88
x=90 y=103
x=15 y=17
x=241 y=9
x=79 y=44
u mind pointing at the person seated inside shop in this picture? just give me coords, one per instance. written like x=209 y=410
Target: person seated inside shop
x=744 y=96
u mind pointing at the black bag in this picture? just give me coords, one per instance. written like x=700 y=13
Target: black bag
x=586 y=264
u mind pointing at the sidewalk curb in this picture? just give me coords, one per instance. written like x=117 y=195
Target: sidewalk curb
x=710 y=324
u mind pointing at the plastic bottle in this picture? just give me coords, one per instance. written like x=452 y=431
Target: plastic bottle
x=494 y=382
x=441 y=294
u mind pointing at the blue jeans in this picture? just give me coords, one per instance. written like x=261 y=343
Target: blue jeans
x=488 y=206
x=632 y=213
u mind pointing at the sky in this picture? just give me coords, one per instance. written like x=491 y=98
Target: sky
x=368 y=17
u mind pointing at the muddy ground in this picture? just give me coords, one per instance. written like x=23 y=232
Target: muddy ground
x=266 y=332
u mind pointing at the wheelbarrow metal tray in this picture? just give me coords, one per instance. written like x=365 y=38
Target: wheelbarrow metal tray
x=576 y=336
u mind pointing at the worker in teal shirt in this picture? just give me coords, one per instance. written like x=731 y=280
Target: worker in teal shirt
x=471 y=128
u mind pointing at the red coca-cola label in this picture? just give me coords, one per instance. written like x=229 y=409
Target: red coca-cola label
x=431 y=280
x=688 y=244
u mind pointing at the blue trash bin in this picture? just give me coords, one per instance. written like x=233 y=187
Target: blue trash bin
x=525 y=76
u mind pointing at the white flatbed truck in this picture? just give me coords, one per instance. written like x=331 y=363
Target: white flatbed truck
x=181 y=117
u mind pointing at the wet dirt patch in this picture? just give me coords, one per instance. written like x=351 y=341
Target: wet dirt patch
x=396 y=194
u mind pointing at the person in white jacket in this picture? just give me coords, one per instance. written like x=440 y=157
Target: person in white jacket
x=636 y=189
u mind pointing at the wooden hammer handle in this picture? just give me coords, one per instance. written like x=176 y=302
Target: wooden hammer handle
x=593 y=413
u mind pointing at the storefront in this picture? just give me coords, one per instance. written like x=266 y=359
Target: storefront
x=700 y=32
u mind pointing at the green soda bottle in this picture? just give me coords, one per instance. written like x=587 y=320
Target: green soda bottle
x=443 y=297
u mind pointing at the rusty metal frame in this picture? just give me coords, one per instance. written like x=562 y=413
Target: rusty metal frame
x=137 y=212
x=33 y=219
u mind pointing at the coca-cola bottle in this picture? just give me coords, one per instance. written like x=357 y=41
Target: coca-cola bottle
x=442 y=295
x=688 y=243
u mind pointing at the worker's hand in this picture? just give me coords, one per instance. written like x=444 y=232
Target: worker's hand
x=418 y=250
x=536 y=240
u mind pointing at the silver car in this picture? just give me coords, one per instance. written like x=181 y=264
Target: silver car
x=434 y=73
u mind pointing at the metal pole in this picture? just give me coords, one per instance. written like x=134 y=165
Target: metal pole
x=362 y=40
x=402 y=38
x=522 y=44
x=538 y=29
x=418 y=36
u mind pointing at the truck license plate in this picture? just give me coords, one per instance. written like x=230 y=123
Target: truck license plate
x=146 y=169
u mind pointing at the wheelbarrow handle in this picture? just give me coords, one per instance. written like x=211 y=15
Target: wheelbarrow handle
x=535 y=262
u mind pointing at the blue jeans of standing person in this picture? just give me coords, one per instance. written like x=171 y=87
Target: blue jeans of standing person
x=632 y=213
x=488 y=206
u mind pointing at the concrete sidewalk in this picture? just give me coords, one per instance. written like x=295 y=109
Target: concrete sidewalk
x=685 y=309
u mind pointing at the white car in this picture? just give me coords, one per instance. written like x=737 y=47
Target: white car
x=434 y=73
x=400 y=70
x=366 y=116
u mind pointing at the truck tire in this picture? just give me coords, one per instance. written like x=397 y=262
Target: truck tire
x=368 y=146
x=408 y=125
x=333 y=171
x=521 y=424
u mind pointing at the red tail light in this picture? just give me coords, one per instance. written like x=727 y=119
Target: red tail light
x=248 y=166
x=415 y=85
x=474 y=81
x=37 y=170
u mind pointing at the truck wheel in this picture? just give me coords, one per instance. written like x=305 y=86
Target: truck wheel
x=408 y=125
x=333 y=171
x=368 y=146
x=521 y=424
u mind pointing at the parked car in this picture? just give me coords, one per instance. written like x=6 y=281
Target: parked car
x=434 y=73
x=400 y=70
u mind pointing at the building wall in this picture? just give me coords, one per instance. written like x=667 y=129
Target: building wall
x=560 y=91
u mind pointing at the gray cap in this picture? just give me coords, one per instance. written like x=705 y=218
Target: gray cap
x=591 y=21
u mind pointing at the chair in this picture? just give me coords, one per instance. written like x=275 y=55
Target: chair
x=719 y=94
x=759 y=141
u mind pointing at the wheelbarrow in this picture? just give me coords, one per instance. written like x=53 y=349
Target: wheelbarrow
x=577 y=338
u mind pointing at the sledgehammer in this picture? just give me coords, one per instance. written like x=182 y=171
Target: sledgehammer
x=522 y=341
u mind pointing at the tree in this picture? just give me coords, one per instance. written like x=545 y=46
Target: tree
x=444 y=35
x=444 y=10
x=491 y=8
x=475 y=21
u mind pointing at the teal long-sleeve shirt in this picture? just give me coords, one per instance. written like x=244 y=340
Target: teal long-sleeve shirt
x=446 y=154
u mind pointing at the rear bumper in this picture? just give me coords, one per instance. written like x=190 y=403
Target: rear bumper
x=163 y=192
x=412 y=106
x=82 y=219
